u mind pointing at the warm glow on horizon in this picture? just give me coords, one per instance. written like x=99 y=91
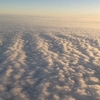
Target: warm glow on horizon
x=52 y=7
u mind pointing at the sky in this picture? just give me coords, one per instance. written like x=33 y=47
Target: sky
x=49 y=7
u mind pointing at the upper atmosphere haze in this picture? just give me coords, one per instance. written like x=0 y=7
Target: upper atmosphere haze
x=49 y=7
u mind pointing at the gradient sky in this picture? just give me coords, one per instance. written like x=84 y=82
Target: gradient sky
x=40 y=7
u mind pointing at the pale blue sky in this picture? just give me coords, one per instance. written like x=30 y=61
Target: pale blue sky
x=41 y=7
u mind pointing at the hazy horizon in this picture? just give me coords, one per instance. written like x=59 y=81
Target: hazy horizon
x=52 y=7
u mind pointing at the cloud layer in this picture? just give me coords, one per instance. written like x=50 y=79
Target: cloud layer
x=40 y=61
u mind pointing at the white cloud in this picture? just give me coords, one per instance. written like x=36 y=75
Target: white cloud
x=42 y=59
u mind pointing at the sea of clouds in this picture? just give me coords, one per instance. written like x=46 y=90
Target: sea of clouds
x=47 y=58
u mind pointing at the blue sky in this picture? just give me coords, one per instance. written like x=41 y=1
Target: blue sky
x=33 y=7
